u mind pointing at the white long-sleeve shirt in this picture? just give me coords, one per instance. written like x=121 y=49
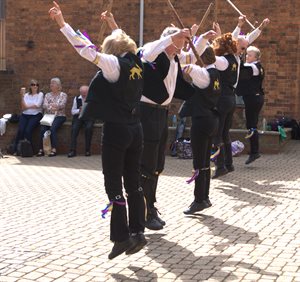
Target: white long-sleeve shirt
x=254 y=68
x=150 y=52
x=33 y=100
x=249 y=37
x=109 y=64
x=221 y=62
x=199 y=75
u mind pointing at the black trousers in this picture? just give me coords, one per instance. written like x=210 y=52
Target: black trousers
x=226 y=107
x=202 y=131
x=121 y=157
x=253 y=106
x=155 y=129
x=77 y=124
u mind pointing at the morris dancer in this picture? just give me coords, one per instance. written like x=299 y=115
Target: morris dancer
x=250 y=87
x=163 y=81
x=202 y=107
x=115 y=93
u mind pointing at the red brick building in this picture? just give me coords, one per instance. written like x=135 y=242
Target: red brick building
x=33 y=47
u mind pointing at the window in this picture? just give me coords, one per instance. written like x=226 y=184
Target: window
x=2 y=35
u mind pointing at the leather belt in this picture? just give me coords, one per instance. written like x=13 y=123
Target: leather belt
x=156 y=106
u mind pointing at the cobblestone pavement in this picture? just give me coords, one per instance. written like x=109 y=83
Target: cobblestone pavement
x=51 y=228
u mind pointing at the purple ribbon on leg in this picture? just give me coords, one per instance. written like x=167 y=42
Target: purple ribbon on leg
x=194 y=176
x=109 y=207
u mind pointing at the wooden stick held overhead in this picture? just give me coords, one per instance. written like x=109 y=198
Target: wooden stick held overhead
x=199 y=60
x=205 y=16
x=216 y=11
x=104 y=24
x=240 y=13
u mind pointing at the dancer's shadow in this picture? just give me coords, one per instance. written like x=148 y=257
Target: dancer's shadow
x=182 y=262
x=233 y=234
x=140 y=273
x=250 y=192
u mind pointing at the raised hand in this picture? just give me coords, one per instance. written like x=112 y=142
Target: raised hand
x=211 y=34
x=109 y=18
x=264 y=23
x=55 y=13
x=241 y=20
x=217 y=29
x=194 y=29
x=180 y=37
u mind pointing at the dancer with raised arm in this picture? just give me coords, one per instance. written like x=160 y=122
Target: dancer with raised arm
x=250 y=87
x=115 y=92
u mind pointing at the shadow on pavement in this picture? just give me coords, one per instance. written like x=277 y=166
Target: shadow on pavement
x=185 y=258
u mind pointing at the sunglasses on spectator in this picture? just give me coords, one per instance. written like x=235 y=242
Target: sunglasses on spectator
x=34 y=84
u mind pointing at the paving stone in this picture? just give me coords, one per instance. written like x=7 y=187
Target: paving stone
x=51 y=227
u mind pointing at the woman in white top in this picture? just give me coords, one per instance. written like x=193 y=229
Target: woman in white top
x=31 y=103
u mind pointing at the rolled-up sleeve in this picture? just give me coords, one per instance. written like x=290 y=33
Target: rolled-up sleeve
x=109 y=64
x=221 y=63
x=151 y=50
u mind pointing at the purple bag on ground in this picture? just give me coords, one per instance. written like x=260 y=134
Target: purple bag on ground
x=237 y=147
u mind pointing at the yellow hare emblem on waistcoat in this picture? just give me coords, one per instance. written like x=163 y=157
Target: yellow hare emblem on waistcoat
x=136 y=70
x=216 y=84
x=233 y=67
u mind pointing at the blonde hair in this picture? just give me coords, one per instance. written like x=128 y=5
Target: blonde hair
x=255 y=50
x=118 y=43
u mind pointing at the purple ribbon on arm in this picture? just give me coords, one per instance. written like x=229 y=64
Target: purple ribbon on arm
x=85 y=34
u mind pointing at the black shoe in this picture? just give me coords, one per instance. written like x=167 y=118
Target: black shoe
x=196 y=207
x=87 y=154
x=252 y=158
x=220 y=172
x=40 y=153
x=230 y=168
x=72 y=154
x=155 y=213
x=153 y=224
x=139 y=241
x=52 y=154
x=208 y=202
x=120 y=247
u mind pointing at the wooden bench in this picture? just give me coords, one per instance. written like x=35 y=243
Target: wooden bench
x=63 y=136
x=270 y=141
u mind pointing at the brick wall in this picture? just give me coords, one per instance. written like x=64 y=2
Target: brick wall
x=52 y=56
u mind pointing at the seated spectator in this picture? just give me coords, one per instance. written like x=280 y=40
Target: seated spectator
x=77 y=123
x=54 y=103
x=31 y=103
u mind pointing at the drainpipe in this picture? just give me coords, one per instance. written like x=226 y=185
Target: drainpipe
x=141 y=34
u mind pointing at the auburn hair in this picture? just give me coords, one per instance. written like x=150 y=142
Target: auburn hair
x=224 y=44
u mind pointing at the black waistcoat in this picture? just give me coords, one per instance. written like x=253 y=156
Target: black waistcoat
x=78 y=102
x=119 y=101
x=154 y=75
x=250 y=85
x=203 y=103
x=229 y=76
